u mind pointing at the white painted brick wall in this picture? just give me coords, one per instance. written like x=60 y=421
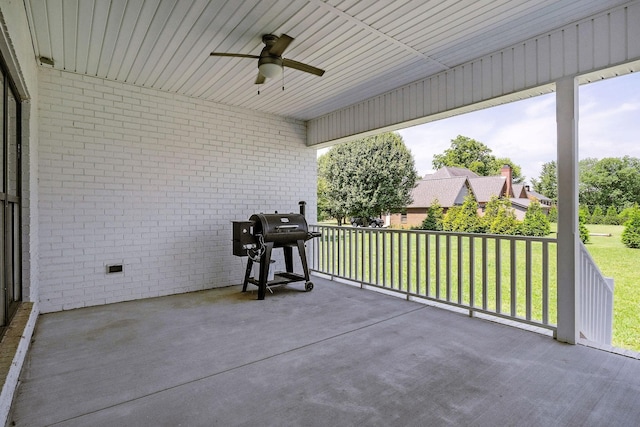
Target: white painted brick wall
x=153 y=180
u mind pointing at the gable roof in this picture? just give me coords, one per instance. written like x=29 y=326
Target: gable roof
x=445 y=190
x=519 y=191
x=487 y=186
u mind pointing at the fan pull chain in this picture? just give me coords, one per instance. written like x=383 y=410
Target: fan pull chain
x=283 y=79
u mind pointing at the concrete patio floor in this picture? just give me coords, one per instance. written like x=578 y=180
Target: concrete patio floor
x=337 y=356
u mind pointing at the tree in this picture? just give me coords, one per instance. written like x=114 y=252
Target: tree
x=582 y=228
x=450 y=218
x=434 y=218
x=584 y=211
x=547 y=182
x=631 y=232
x=475 y=156
x=535 y=222
x=597 y=217
x=553 y=214
x=607 y=182
x=499 y=217
x=626 y=213
x=465 y=218
x=610 y=181
x=611 y=217
x=329 y=206
x=369 y=176
x=324 y=211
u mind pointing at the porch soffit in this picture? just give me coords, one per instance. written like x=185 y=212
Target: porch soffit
x=367 y=47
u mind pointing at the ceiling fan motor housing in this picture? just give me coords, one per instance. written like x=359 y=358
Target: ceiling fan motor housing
x=270 y=65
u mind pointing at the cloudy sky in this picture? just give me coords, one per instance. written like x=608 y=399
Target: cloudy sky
x=525 y=131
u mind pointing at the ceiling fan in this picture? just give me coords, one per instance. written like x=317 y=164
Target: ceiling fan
x=270 y=60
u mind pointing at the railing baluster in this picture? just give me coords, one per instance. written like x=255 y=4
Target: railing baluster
x=528 y=266
x=354 y=256
x=400 y=260
x=418 y=259
x=378 y=257
x=460 y=269
x=498 y=276
x=370 y=235
x=472 y=274
x=408 y=264
x=384 y=260
x=448 y=249
x=545 y=283
x=514 y=279
x=438 y=266
x=427 y=279
x=485 y=276
x=341 y=252
x=393 y=258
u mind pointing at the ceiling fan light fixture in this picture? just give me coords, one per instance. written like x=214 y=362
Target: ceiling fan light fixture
x=270 y=70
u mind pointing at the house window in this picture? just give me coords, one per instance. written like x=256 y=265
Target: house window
x=403 y=218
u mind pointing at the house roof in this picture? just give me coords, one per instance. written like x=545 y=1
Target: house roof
x=445 y=190
x=487 y=186
x=519 y=191
x=524 y=203
x=540 y=197
x=449 y=172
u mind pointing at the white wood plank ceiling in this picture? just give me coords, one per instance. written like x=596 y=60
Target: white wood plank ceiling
x=367 y=47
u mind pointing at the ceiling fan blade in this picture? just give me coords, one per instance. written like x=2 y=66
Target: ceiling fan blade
x=235 y=55
x=280 y=45
x=302 y=67
x=260 y=79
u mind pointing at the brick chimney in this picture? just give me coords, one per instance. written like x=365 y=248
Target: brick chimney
x=506 y=172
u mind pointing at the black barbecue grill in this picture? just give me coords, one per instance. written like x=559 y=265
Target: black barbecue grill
x=258 y=237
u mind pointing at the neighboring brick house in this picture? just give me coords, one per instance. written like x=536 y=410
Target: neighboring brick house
x=450 y=185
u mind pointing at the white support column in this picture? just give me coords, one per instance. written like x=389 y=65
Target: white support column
x=568 y=232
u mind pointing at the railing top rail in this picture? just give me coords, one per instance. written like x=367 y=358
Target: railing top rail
x=587 y=255
x=442 y=233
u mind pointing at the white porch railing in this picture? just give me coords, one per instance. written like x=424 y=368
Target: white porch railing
x=596 y=301
x=512 y=277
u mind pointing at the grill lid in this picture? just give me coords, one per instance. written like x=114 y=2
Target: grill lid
x=280 y=228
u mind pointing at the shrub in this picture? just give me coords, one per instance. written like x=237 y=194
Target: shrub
x=597 y=217
x=584 y=232
x=584 y=211
x=499 y=217
x=553 y=214
x=631 y=233
x=611 y=217
x=450 y=217
x=625 y=215
x=467 y=219
x=506 y=224
x=434 y=218
x=535 y=222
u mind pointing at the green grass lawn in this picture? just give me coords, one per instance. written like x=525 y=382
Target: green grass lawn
x=623 y=265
